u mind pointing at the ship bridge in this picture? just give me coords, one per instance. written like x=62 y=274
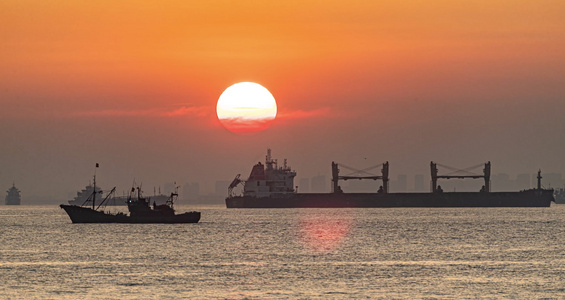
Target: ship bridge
x=266 y=179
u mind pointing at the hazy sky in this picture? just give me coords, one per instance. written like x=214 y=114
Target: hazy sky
x=133 y=85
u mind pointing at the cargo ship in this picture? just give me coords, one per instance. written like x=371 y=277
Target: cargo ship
x=272 y=186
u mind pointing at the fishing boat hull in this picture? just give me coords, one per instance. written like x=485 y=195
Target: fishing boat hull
x=79 y=214
x=528 y=198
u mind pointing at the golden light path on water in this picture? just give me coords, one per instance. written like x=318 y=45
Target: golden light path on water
x=325 y=231
x=246 y=108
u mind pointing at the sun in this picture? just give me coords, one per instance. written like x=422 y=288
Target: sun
x=246 y=108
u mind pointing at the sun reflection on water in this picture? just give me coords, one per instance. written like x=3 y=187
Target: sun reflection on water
x=324 y=231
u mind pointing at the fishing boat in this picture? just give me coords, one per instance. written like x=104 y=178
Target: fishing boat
x=139 y=207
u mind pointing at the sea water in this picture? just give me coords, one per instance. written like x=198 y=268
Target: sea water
x=396 y=253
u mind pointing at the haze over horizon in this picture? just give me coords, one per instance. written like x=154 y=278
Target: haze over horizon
x=133 y=86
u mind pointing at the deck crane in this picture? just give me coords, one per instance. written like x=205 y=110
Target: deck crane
x=463 y=173
x=359 y=174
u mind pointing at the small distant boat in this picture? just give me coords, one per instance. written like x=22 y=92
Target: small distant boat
x=13 y=196
x=140 y=210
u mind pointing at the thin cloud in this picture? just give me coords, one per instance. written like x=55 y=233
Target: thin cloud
x=203 y=112
x=246 y=125
x=200 y=111
x=154 y=112
x=305 y=114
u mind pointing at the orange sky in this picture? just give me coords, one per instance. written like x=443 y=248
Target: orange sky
x=404 y=81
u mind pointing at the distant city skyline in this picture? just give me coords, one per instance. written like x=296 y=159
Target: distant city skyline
x=192 y=192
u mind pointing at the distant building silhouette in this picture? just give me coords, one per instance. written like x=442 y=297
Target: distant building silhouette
x=169 y=187
x=501 y=182
x=419 y=183
x=551 y=180
x=191 y=191
x=221 y=188
x=398 y=185
x=462 y=185
x=361 y=186
x=318 y=184
x=523 y=181
x=304 y=185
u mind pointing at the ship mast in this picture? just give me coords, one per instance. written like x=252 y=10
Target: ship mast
x=94 y=189
x=269 y=160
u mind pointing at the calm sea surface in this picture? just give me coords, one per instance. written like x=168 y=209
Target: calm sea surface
x=409 y=253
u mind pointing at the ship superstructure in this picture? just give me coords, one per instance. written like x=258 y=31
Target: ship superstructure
x=13 y=197
x=84 y=196
x=267 y=180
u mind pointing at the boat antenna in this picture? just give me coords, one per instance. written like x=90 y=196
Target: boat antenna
x=94 y=189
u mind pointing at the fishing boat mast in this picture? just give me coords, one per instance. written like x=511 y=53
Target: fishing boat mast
x=94 y=192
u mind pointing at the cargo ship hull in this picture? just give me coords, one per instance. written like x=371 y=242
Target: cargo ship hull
x=528 y=198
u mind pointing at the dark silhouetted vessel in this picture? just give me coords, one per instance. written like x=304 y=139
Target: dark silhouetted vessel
x=140 y=210
x=13 y=197
x=270 y=186
x=83 y=198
